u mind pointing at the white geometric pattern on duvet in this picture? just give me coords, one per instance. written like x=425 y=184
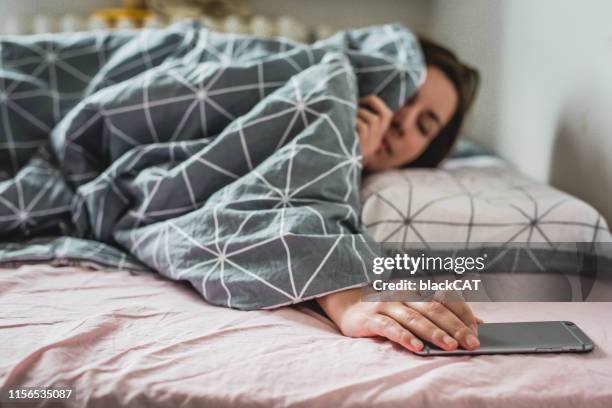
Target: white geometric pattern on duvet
x=49 y=63
x=141 y=158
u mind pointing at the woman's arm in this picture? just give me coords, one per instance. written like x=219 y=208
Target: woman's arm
x=448 y=325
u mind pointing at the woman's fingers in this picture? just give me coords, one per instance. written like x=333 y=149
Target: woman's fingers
x=446 y=320
x=362 y=128
x=368 y=145
x=464 y=313
x=368 y=137
x=375 y=123
x=420 y=325
x=369 y=117
x=378 y=106
x=376 y=114
x=385 y=326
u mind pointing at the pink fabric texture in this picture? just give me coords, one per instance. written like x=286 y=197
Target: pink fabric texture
x=139 y=340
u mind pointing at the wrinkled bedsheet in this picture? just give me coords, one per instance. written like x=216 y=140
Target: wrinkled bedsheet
x=201 y=155
x=138 y=340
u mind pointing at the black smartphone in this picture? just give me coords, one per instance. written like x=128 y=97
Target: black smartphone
x=523 y=337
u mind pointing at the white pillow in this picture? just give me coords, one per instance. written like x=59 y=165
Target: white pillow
x=474 y=200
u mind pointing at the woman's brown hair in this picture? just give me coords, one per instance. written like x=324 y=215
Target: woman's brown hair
x=466 y=81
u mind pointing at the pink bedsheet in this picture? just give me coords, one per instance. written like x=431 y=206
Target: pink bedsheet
x=139 y=340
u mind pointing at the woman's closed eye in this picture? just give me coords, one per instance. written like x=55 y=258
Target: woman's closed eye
x=428 y=124
x=422 y=129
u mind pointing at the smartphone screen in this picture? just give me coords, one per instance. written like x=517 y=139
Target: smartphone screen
x=524 y=337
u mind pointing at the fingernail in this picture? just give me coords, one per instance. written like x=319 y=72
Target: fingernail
x=449 y=340
x=416 y=343
x=474 y=328
x=472 y=341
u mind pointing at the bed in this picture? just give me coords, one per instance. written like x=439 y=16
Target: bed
x=83 y=314
x=135 y=339
x=138 y=340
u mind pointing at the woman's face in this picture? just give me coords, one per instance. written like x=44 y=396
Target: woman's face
x=417 y=122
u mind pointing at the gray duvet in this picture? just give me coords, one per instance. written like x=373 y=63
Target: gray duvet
x=228 y=161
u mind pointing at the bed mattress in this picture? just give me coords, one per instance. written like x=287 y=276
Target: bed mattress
x=139 y=340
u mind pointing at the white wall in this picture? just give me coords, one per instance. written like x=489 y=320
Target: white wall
x=349 y=13
x=547 y=86
x=52 y=7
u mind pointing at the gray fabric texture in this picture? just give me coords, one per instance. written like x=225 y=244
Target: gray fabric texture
x=228 y=161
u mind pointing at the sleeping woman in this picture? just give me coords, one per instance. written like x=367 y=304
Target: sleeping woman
x=420 y=133
x=177 y=170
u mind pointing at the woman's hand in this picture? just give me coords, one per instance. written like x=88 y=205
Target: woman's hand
x=448 y=325
x=373 y=120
